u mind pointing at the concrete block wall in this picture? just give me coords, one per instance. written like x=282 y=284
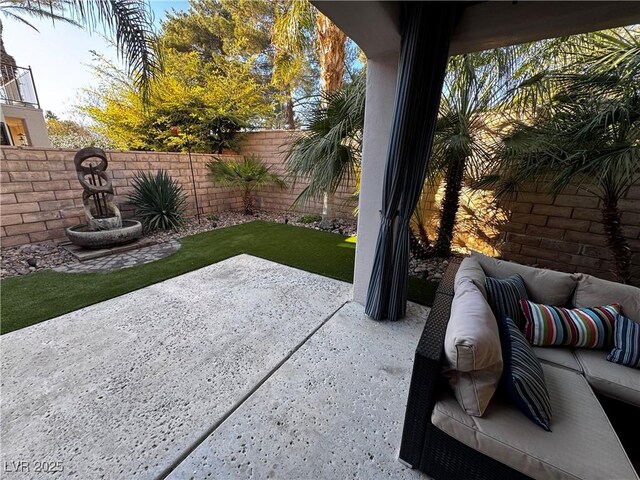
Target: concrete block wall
x=566 y=232
x=563 y=233
x=41 y=195
x=271 y=146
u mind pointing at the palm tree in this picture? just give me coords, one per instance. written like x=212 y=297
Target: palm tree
x=331 y=53
x=589 y=134
x=247 y=175
x=475 y=88
x=128 y=21
x=328 y=151
x=291 y=36
x=292 y=39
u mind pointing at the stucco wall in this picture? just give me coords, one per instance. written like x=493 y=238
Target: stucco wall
x=40 y=193
x=34 y=122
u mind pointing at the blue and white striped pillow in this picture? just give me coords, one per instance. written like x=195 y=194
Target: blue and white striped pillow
x=504 y=295
x=626 y=342
x=523 y=376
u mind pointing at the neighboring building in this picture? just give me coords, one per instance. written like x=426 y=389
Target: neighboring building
x=21 y=118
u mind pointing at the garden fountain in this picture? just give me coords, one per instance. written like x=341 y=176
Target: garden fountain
x=105 y=226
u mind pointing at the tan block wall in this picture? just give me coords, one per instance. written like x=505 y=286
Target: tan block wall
x=40 y=194
x=270 y=146
x=565 y=233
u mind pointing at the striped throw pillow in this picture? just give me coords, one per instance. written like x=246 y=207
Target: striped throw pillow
x=504 y=297
x=626 y=339
x=578 y=327
x=523 y=377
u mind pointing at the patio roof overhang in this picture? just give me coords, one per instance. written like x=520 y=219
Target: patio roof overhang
x=375 y=25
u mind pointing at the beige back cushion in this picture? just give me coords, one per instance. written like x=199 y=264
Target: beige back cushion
x=543 y=286
x=472 y=349
x=470 y=269
x=593 y=292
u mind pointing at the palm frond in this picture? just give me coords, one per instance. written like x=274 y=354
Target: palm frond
x=328 y=151
x=129 y=22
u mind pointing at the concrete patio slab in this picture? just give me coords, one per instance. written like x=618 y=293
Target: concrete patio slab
x=127 y=387
x=334 y=410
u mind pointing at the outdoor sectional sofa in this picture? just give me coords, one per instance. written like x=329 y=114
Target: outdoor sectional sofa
x=443 y=441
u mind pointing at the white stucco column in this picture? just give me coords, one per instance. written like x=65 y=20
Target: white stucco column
x=381 y=88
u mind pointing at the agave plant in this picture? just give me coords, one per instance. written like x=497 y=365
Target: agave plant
x=246 y=175
x=159 y=200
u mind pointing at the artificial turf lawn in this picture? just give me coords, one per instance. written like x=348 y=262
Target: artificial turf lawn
x=46 y=294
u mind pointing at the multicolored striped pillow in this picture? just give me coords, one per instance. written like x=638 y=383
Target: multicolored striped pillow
x=504 y=295
x=523 y=377
x=578 y=327
x=626 y=339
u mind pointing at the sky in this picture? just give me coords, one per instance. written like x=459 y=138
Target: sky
x=59 y=56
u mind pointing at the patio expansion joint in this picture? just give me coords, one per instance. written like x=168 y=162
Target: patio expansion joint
x=188 y=451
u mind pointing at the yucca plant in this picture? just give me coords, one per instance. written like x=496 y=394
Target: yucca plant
x=246 y=175
x=159 y=200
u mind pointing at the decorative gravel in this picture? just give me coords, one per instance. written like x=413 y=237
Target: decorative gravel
x=25 y=259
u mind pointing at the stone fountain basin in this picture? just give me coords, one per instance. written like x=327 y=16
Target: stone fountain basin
x=80 y=235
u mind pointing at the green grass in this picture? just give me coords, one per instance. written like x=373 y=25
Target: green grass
x=46 y=294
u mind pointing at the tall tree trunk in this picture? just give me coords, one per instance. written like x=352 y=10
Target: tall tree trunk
x=450 y=205
x=331 y=53
x=7 y=73
x=289 y=114
x=616 y=240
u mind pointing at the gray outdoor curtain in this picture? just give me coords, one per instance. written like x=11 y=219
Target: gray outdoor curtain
x=426 y=34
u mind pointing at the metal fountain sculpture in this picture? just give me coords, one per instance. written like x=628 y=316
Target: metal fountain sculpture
x=104 y=226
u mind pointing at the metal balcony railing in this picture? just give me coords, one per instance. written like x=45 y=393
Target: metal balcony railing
x=17 y=87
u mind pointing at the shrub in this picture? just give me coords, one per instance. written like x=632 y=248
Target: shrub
x=310 y=218
x=246 y=175
x=158 y=199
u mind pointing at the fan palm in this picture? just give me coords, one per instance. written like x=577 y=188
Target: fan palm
x=476 y=86
x=246 y=175
x=328 y=151
x=128 y=21
x=588 y=135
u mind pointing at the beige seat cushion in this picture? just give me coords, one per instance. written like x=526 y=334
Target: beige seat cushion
x=472 y=349
x=543 y=286
x=594 y=292
x=559 y=357
x=470 y=269
x=607 y=378
x=581 y=445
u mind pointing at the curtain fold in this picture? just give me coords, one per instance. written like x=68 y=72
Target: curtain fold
x=426 y=34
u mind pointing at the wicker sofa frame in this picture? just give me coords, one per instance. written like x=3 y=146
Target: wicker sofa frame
x=424 y=446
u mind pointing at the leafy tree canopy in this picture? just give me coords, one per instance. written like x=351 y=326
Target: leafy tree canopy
x=202 y=99
x=70 y=134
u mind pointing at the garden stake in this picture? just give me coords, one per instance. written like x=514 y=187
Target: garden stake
x=193 y=181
